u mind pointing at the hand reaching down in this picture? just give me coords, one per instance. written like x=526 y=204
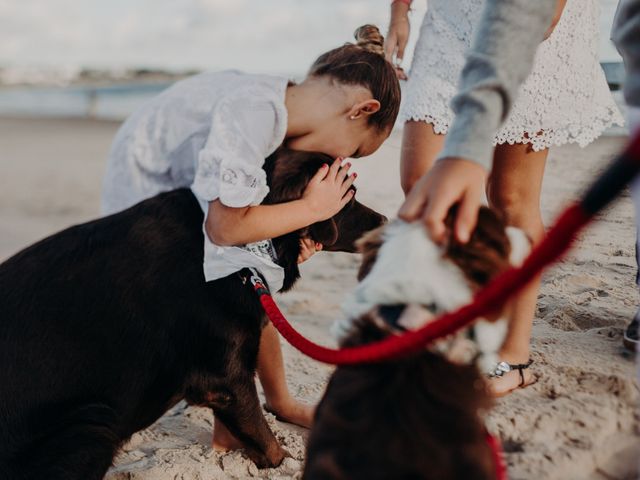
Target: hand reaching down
x=451 y=181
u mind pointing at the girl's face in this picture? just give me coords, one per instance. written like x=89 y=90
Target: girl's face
x=344 y=138
x=333 y=119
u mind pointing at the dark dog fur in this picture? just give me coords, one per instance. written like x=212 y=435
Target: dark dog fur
x=419 y=417
x=106 y=325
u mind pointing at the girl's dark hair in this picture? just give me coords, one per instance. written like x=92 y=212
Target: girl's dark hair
x=364 y=63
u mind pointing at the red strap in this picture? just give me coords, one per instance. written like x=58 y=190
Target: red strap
x=498 y=458
x=555 y=244
x=552 y=247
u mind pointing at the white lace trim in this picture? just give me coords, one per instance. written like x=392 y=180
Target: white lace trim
x=582 y=135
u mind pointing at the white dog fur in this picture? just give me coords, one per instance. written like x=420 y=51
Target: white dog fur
x=410 y=269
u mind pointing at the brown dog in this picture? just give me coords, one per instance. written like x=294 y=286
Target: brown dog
x=419 y=417
x=107 y=324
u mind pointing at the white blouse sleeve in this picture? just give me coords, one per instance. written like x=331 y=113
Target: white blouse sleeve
x=245 y=129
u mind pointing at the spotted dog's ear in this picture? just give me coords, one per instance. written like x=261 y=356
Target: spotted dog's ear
x=486 y=254
x=368 y=246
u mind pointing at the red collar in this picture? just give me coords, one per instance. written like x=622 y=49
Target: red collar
x=498 y=458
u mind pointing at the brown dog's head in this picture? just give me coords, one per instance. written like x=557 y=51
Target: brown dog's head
x=418 y=417
x=288 y=174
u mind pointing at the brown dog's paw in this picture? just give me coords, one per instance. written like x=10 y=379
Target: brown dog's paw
x=269 y=460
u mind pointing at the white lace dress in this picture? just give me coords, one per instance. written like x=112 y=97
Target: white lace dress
x=565 y=98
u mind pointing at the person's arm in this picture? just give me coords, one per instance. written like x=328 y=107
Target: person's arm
x=498 y=62
x=230 y=177
x=398 y=35
x=626 y=36
x=328 y=191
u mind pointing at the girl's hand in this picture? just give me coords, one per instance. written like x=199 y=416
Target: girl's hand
x=450 y=181
x=307 y=248
x=329 y=190
x=397 y=37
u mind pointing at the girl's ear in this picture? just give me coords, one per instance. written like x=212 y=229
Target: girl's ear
x=363 y=109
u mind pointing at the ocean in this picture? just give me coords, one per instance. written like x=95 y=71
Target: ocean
x=113 y=102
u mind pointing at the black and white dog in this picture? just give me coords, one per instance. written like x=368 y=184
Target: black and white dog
x=106 y=325
x=422 y=416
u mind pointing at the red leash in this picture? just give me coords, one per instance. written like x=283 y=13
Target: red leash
x=555 y=244
x=498 y=457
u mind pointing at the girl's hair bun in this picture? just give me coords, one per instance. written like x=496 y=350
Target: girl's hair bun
x=364 y=64
x=369 y=38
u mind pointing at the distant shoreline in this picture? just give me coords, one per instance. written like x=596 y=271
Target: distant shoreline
x=86 y=77
x=114 y=95
x=43 y=77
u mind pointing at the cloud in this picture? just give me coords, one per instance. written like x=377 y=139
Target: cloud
x=275 y=36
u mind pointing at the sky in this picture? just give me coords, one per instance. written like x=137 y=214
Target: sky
x=267 y=36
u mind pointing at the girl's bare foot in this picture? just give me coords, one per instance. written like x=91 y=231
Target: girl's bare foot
x=223 y=439
x=292 y=411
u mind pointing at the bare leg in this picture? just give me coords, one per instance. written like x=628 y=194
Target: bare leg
x=420 y=146
x=514 y=189
x=271 y=373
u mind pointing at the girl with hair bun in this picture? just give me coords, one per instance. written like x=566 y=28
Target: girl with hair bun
x=212 y=132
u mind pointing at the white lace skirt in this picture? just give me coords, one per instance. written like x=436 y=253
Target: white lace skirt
x=565 y=98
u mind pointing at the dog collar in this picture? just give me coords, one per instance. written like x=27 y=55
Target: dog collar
x=251 y=275
x=263 y=248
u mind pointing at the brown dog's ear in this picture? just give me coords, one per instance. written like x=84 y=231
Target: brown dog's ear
x=325 y=232
x=368 y=245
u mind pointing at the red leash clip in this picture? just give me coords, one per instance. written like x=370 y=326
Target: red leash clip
x=258 y=284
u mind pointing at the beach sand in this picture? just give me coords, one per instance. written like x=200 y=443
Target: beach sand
x=579 y=421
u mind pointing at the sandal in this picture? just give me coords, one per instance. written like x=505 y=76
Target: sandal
x=504 y=367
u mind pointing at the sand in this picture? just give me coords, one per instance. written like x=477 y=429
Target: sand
x=578 y=422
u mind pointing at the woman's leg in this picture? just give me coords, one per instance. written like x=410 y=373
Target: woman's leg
x=420 y=146
x=278 y=399
x=514 y=189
